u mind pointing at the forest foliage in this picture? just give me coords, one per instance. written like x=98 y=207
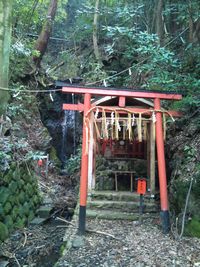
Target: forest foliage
x=158 y=40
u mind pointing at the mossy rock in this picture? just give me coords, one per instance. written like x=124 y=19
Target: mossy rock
x=31 y=178
x=12 y=200
x=7 y=207
x=193 y=228
x=7 y=178
x=25 y=177
x=13 y=187
x=26 y=208
x=19 y=224
x=37 y=199
x=30 y=190
x=3 y=231
x=4 y=194
x=31 y=216
x=13 y=166
x=2 y=214
x=20 y=183
x=8 y=221
x=31 y=204
x=21 y=197
x=15 y=213
x=16 y=174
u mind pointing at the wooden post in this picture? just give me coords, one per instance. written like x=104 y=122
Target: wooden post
x=148 y=156
x=84 y=169
x=94 y=160
x=90 y=155
x=161 y=168
x=152 y=158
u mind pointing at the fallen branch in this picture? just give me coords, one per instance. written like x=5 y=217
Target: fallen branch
x=14 y=257
x=89 y=230
x=65 y=221
x=25 y=239
x=102 y=233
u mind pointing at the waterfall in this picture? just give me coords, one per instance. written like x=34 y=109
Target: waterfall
x=64 y=135
x=74 y=126
x=68 y=138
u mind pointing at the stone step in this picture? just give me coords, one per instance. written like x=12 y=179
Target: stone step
x=108 y=215
x=44 y=211
x=118 y=196
x=124 y=206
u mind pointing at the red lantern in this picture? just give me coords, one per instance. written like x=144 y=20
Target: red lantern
x=40 y=162
x=141 y=186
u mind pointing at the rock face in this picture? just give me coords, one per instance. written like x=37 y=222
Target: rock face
x=63 y=126
x=183 y=148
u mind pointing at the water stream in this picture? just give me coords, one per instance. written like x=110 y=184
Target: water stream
x=64 y=126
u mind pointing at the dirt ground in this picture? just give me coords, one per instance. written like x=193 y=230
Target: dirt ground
x=133 y=246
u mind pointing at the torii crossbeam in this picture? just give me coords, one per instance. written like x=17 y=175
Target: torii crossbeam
x=122 y=94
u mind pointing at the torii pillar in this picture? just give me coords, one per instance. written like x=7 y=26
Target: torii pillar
x=84 y=170
x=164 y=214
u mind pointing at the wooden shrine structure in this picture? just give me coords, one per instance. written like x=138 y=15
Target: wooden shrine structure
x=126 y=120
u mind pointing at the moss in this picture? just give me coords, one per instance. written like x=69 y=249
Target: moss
x=193 y=228
x=21 y=212
x=3 y=231
x=26 y=208
x=12 y=200
x=15 y=213
x=9 y=223
x=31 y=216
x=7 y=207
x=30 y=190
x=19 y=223
x=53 y=156
x=21 y=197
x=7 y=178
x=13 y=187
x=4 y=194
x=2 y=214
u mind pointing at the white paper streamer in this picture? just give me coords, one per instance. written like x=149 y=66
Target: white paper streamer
x=153 y=117
x=96 y=114
x=104 y=83
x=133 y=120
x=51 y=97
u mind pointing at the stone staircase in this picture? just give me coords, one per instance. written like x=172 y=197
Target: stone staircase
x=121 y=205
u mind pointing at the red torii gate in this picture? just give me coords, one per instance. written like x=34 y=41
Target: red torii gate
x=122 y=94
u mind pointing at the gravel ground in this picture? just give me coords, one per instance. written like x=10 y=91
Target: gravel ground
x=139 y=246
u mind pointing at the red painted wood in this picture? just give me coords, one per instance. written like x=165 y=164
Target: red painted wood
x=122 y=101
x=161 y=158
x=77 y=107
x=80 y=107
x=97 y=91
x=84 y=159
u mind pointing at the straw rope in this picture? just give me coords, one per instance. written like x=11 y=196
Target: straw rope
x=126 y=122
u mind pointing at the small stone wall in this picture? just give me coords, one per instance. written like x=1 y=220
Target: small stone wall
x=105 y=172
x=19 y=198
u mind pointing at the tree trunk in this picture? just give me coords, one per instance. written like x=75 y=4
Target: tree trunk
x=95 y=26
x=5 y=41
x=197 y=32
x=160 y=22
x=42 y=41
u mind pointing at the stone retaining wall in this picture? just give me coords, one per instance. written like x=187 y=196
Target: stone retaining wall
x=19 y=198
